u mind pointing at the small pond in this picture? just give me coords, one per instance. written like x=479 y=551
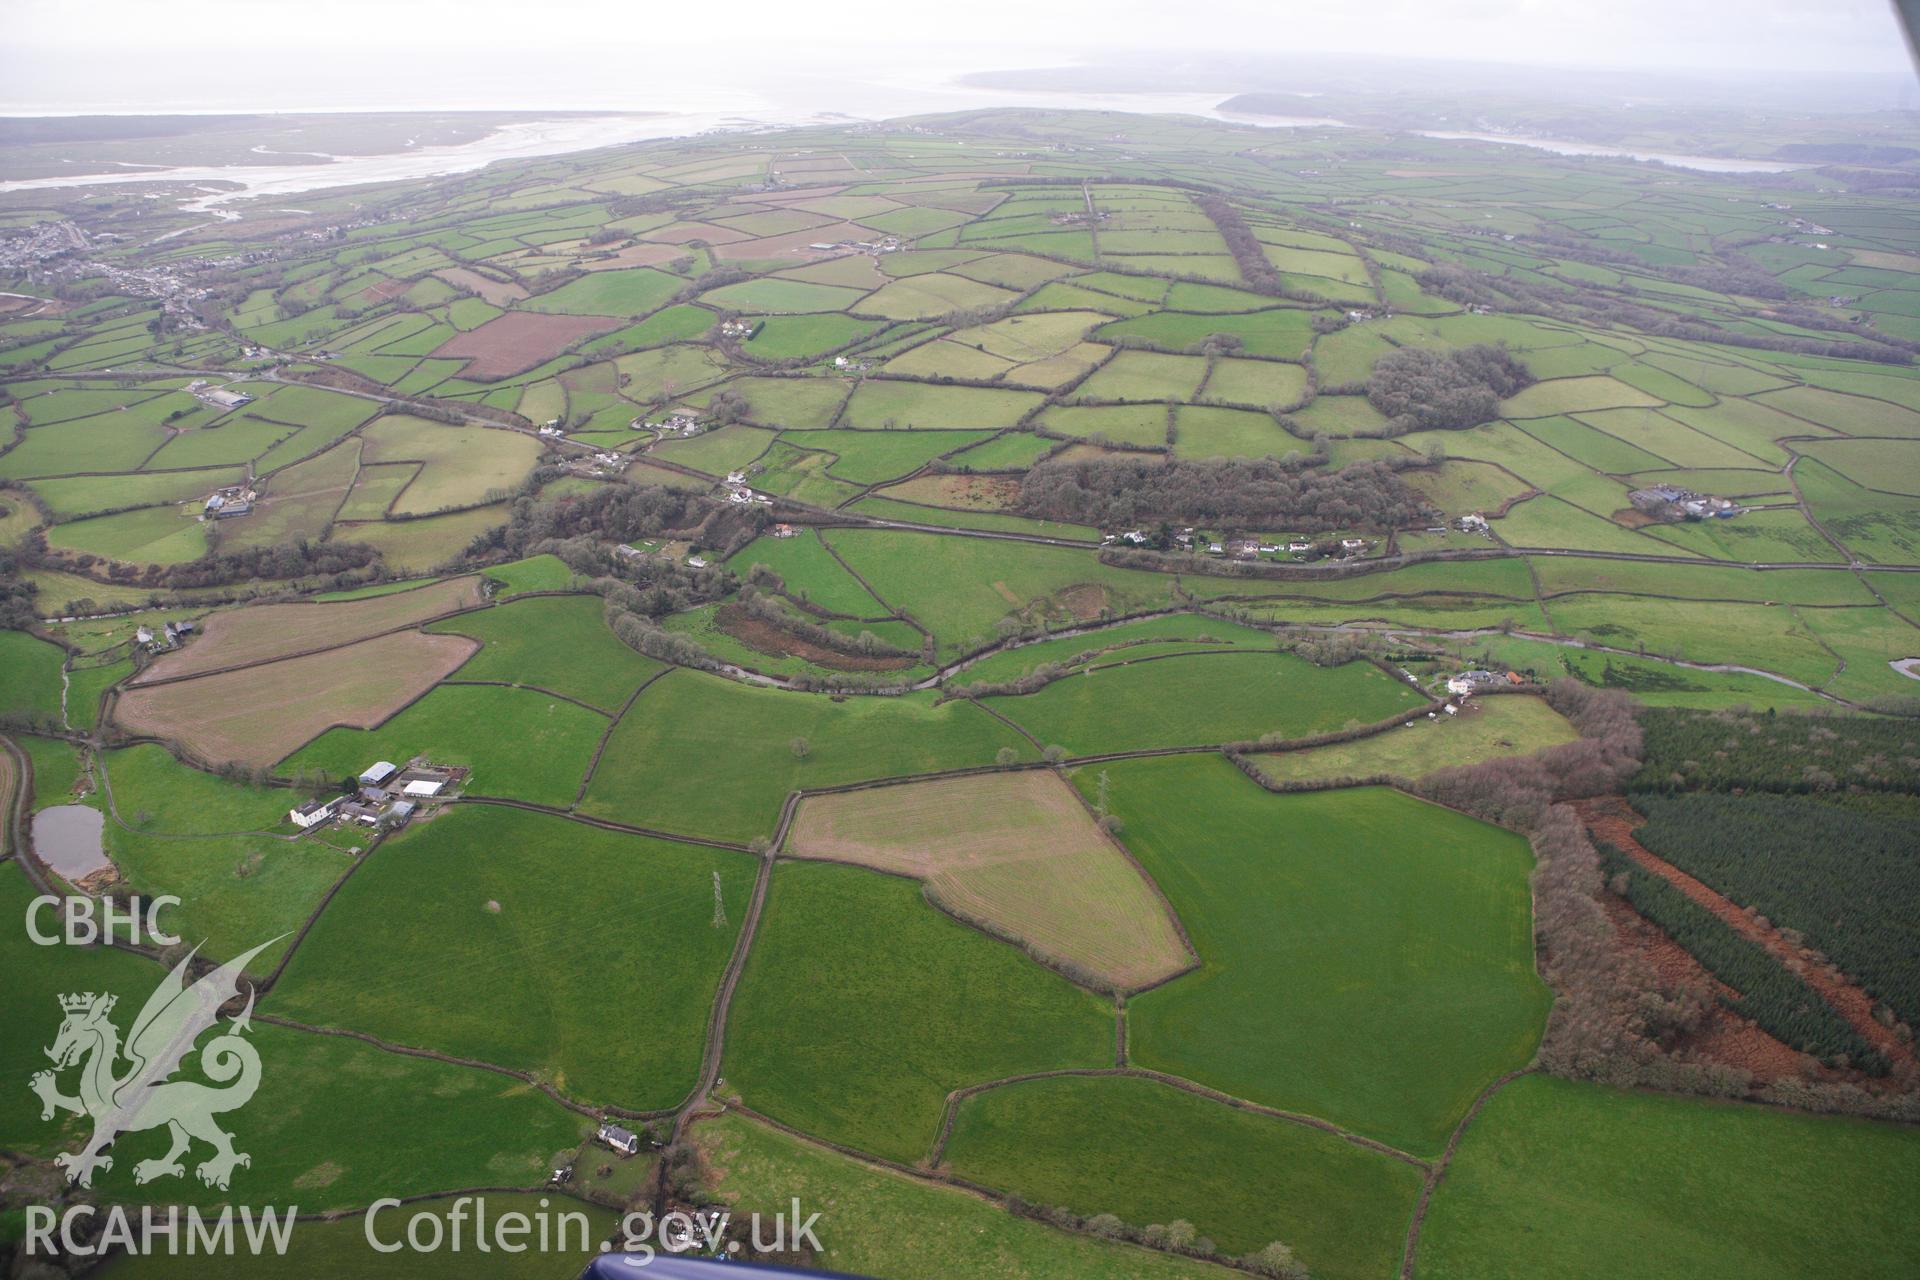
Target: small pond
x=67 y=838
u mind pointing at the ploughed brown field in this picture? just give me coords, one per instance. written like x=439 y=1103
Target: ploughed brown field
x=260 y=714
x=1016 y=853
x=265 y=632
x=518 y=341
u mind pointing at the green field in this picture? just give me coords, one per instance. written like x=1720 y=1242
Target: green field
x=1554 y=1174
x=961 y=588
x=1332 y=928
x=560 y=644
x=1199 y=700
x=156 y=794
x=914 y=338
x=701 y=755
x=537 y=749
x=608 y=293
x=1487 y=729
x=1240 y=1178
x=916 y=404
x=885 y=1223
x=320 y=1129
x=32 y=670
x=340 y=1248
x=513 y=928
x=918 y=1005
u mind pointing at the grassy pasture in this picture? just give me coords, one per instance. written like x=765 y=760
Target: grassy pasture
x=1549 y=521
x=870 y=457
x=537 y=746
x=1012 y=451
x=923 y=297
x=1575 y=395
x=1022 y=339
x=632 y=292
x=299 y=502
x=1847 y=414
x=960 y=588
x=943 y=359
x=84 y=495
x=772 y=296
x=513 y=928
x=1333 y=927
x=1892 y=466
x=861 y=1007
x=320 y=1130
x=339 y=1247
x=906 y=1228
x=155 y=794
x=792 y=403
x=1284 y=333
x=86 y=686
x=1758 y=537
x=1142 y=424
x=718 y=452
x=1204 y=432
x=1145 y=375
x=1256 y=382
x=1172 y=633
x=1203 y=699
x=461 y=466
x=146 y=535
x=919 y=404
x=701 y=754
x=810 y=573
x=1554 y=1173
x=1486 y=729
x=1875 y=527
x=1673 y=442
x=29 y=676
x=1242 y=1179
x=235 y=891
x=558 y=643
x=788 y=337
x=425 y=544
x=1016 y=851
x=1767 y=638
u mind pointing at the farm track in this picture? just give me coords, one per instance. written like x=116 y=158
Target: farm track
x=15 y=783
x=19 y=833
x=1612 y=820
x=730 y=980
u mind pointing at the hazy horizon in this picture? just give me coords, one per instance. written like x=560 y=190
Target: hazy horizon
x=213 y=56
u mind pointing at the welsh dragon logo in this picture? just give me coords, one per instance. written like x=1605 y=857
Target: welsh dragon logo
x=141 y=1095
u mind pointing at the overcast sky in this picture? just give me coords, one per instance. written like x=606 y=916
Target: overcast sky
x=156 y=54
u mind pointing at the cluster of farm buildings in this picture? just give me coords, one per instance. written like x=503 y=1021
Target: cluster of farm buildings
x=386 y=795
x=229 y=501
x=1667 y=501
x=169 y=637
